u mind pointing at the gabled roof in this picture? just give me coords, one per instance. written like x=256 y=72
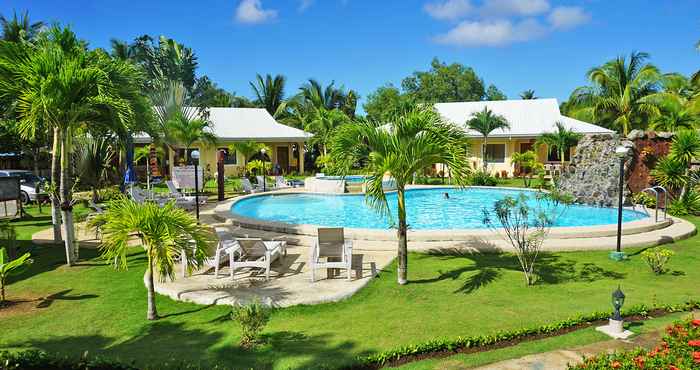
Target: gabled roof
x=526 y=117
x=239 y=124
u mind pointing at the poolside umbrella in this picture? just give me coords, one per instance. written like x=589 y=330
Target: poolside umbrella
x=130 y=175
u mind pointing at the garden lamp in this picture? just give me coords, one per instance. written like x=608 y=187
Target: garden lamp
x=264 y=174
x=621 y=152
x=618 y=299
x=195 y=157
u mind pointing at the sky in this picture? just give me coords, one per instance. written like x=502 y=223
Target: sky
x=544 y=45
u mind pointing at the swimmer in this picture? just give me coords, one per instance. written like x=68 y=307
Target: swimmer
x=447 y=196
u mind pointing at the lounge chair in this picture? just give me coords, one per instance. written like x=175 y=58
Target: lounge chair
x=96 y=211
x=254 y=252
x=248 y=188
x=183 y=199
x=281 y=183
x=261 y=181
x=226 y=246
x=331 y=250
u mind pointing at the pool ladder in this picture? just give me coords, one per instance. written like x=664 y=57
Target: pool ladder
x=656 y=190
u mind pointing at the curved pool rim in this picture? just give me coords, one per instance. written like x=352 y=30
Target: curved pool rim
x=225 y=211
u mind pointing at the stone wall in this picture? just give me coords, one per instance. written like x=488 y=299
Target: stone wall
x=649 y=148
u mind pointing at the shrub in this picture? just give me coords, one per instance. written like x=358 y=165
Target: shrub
x=39 y=360
x=688 y=204
x=252 y=318
x=481 y=178
x=645 y=199
x=657 y=258
x=679 y=349
x=9 y=267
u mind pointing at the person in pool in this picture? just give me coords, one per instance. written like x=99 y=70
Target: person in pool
x=447 y=196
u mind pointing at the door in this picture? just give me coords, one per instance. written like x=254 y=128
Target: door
x=283 y=158
x=524 y=147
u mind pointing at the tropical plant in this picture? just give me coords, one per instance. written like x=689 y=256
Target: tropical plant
x=481 y=178
x=413 y=141
x=92 y=161
x=186 y=131
x=657 y=258
x=686 y=204
x=619 y=94
x=485 y=122
x=673 y=171
x=165 y=232
x=562 y=140
x=252 y=317
x=670 y=173
x=19 y=29
x=528 y=95
x=316 y=96
x=269 y=92
x=10 y=267
x=165 y=61
x=525 y=223
x=685 y=146
x=259 y=167
x=248 y=149
x=529 y=165
x=8 y=237
x=323 y=124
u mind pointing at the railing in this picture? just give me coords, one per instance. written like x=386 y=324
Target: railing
x=656 y=190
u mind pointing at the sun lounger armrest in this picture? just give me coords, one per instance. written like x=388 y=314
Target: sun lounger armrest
x=348 y=250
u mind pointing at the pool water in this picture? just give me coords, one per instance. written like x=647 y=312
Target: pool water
x=348 y=179
x=426 y=209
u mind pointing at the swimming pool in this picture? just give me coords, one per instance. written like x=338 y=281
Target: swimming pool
x=426 y=209
x=350 y=178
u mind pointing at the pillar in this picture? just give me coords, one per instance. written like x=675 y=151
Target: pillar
x=301 y=157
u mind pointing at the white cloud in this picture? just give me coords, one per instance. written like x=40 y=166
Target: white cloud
x=566 y=17
x=491 y=33
x=252 y=12
x=449 y=9
x=305 y=4
x=499 y=8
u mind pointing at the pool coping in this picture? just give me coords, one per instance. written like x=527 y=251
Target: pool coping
x=223 y=211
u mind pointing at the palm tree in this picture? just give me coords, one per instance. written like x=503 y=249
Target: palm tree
x=60 y=84
x=562 y=140
x=485 y=122
x=93 y=159
x=695 y=78
x=122 y=50
x=674 y=118
x=269 y=92
x=165 y=61
x=248 y=149
x=317 y=96
x=415 y=140
x=19 y=29
x=323 y=123
x=186 y=132
x=528 y=95
x=619 y=94
x=166 y=233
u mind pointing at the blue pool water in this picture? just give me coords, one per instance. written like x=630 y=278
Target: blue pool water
x=426 y=209
x=350 y=178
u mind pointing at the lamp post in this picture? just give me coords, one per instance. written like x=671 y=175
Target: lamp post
x=263 y=168
x=621 y=153
x=615 y=327
x=618 y=299
x=195 y=158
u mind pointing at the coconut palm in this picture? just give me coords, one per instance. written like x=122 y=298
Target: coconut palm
x=619 y=94
x=248 y=149
x=164 y=61
x=19 y=28
x=317 y=96
x=562 y=140
x=122 y=50
x=323 y=123
x=415 y=140
x=165 y=232
x=269 y=92
x=485 y=122
x=528 y=95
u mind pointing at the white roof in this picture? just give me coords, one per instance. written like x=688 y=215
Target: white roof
x=249 y=124
x=531 y=117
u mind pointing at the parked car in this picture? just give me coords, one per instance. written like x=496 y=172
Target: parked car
x=28 y=185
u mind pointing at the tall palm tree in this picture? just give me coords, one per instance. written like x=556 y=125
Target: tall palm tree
x=323 y=124
x=562 y=140
x=695 y=78
x=269 y=92
x=19 y=28
x=186 y=132
x=415 y=140
x=317 y=96
x=166 y=60
x=619 y=94
x=248 y=149
x=485 y=122
x=528 y=95
x=60 y=84
x=166 y=233
x=122 y=50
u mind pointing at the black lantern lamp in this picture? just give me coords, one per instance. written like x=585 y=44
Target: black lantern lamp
x=195 y=158
x=618 y=299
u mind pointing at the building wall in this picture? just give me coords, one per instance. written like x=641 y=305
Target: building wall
x=511 y=146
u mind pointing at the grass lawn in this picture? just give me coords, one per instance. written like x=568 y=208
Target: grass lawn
x=93 y=308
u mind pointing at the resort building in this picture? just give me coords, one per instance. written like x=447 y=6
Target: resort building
x=528 y=119
x=231 y=125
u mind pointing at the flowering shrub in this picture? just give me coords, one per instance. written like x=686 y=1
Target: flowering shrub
x=656 y=259
x=679 y=350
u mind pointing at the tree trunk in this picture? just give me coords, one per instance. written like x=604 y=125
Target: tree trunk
x=152 y=313
x=35 y=153
x=403 y=242
x=483 y=154
x=66 y=201
x=95 y=196
x=55 y=178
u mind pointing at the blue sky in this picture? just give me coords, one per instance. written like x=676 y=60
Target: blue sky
x=545 y=45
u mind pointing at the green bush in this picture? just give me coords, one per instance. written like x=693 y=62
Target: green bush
x=657 y=258
x=39 y=360
x=679 y=349
x=645 y=199
x=252 y=318
x=688 y=204
x=481 y=178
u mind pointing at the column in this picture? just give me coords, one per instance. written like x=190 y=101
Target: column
x=301 y=157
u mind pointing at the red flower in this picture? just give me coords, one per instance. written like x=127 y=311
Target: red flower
x=696 y=357
x=616 y=365
x=639 y=361
x=694 y=343
x=696 y=322
x=673 y=368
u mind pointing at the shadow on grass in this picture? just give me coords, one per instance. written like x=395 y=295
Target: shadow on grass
x=63 y=296
x=485 y=268
x=167 y=344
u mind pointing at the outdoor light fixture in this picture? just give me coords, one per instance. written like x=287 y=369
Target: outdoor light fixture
x=615 y=326
x=621 y=152
x=263 y=168
x=195 y=158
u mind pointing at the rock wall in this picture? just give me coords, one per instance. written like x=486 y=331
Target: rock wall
x=592 y=177
x=649 y=148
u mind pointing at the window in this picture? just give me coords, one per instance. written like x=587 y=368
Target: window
x=229 y=156
x=495 y=153
x=553 y=155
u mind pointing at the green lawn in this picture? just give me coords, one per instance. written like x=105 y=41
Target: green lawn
x=96 y=309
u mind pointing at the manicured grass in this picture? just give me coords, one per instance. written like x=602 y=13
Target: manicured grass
x=93 y=308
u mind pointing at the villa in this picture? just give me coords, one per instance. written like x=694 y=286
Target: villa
x=231 y=125
x=528 y=119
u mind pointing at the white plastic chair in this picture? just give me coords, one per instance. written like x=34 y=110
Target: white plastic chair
x=256 y=253
x=331 y=250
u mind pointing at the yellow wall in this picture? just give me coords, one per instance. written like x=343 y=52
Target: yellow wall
x=512 y=146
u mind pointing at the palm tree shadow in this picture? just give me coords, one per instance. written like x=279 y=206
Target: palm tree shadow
x=63 y=296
